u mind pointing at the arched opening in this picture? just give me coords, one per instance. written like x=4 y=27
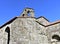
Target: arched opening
x=28 y=13
x=23 y=15
x=8 y=31
x=57 y=37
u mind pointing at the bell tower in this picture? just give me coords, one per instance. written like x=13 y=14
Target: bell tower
x=28 y=12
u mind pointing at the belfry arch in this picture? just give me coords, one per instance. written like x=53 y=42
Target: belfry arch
x=28 y=12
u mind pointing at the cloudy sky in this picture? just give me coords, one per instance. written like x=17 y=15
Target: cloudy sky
x=50 y=9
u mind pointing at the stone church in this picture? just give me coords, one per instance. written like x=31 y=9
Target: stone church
x=27 y=29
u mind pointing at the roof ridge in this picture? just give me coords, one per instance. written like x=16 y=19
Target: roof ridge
x=44 y=18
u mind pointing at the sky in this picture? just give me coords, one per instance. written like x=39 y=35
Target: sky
x=50 y=9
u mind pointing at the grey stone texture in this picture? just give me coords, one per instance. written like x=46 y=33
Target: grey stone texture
x=27 y=29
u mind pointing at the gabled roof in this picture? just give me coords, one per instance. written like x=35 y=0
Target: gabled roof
x=8 y=22
x=43 y=17
x=49 y=24
x=31 y=17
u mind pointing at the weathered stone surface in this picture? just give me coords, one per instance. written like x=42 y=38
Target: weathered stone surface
x=28 y=31
x=25 y=30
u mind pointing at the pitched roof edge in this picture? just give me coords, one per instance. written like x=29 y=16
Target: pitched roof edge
x=13 y=20
x=43 y=17
x=40 y=23
x=52 y=23
x=8 y=22
x=49 y=24
x=30 y=17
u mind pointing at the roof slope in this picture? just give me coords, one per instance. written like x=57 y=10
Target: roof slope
x=31 y=17
x=43 y=20
x=8 y=22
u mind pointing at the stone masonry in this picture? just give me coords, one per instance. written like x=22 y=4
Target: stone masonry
x=26 y=29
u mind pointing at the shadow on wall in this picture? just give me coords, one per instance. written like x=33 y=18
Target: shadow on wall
x=8 y=31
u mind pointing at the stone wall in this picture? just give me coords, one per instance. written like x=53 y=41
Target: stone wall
x=27 y=31
x=4 y=34
x=53 y=30
x=43 y=21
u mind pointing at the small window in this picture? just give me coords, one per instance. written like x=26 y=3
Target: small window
x=8 y=31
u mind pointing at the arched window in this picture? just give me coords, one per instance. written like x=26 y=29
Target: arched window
x=57 y=37
x=8 y=31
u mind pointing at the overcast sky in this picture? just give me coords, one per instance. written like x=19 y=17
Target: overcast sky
x=50 y=9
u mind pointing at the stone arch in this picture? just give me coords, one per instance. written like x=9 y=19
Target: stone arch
x=8 y=31
x=57 y=37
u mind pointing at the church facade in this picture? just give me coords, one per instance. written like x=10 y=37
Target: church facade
x=26 y=29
